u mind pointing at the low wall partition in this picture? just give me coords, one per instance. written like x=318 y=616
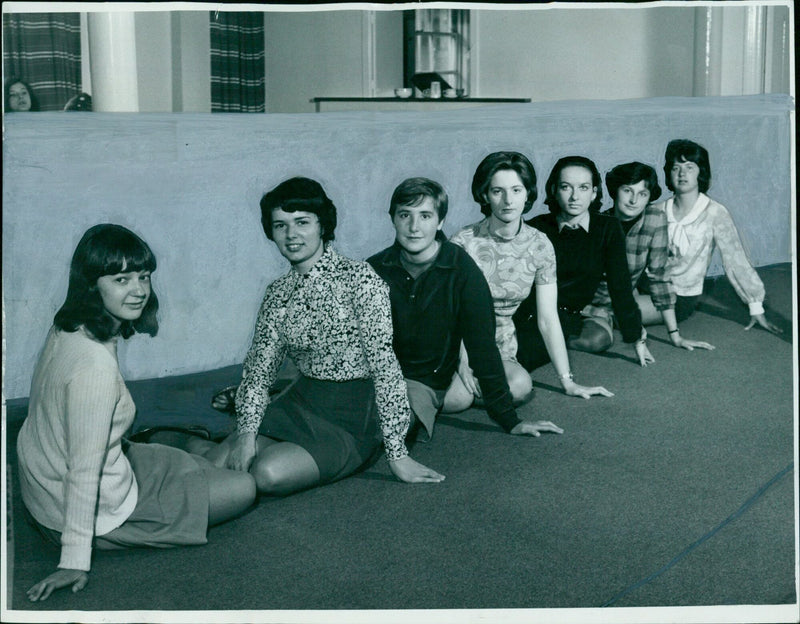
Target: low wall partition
x=190 y=184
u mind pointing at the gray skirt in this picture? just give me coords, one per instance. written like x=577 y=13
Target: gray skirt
x=335 y=421
x=172 y=505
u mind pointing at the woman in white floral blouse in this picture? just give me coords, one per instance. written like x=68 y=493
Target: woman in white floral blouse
x=332 y=316
x=696 y=224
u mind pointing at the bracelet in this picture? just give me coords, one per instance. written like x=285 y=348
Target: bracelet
x=643 y=339
x=673 y=331
x=567 y=375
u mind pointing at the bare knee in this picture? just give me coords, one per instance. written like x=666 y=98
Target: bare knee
x=592 y=339
x=520 y=385
x=270 y=479
x=279 y=474
x=457 y=398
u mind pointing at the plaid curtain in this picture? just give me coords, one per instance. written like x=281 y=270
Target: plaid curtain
x=237 y=62
x=44 y=50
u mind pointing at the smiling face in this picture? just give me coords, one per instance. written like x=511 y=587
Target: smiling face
x=684 y=177
x=416 y=228
x=574 y=191
x=631 y=200
x=298 y=236
x=506 y=196
x=18 y=98
x=125 y=294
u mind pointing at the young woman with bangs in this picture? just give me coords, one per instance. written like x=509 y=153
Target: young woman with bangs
x=84 y=484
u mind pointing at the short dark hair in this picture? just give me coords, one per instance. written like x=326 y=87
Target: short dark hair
x=684 y=150
x=302 y=194
x=555 y=174
x=413 y=191
x=105 y=249
x=498 y=161
x=7 y=94
x=633 y=173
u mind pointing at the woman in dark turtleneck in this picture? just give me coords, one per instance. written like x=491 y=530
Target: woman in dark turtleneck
x=589 y=248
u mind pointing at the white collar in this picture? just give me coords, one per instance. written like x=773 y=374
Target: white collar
x=679 y=242
x=583 y=222
x=699 y=206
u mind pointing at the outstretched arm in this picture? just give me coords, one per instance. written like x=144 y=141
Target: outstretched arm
x=91 y=397
x=740 y=272
x=372 y=308
x=252 y=397
x=553 y=335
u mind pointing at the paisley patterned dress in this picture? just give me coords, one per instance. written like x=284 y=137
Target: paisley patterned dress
x=511 y=266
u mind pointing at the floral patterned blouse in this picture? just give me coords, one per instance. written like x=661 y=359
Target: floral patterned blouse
x=511 y=267
x=335 y=322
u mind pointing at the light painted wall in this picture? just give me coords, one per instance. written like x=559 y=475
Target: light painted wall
x=388 y=52
x=173 y=60
x=190 y=185
x=191 y=54
x=543 y=53
x=310 y=54
x=154 y=60
x=584 y=53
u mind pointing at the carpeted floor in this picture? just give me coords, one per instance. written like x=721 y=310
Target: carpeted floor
x=677 y=491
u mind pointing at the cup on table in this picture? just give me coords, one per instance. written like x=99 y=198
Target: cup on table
x=436 y=89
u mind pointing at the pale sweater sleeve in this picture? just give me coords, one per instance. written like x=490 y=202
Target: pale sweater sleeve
x=91 y=397
x=740 y=272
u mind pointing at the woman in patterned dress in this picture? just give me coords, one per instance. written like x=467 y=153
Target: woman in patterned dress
x=515 y=258
x=332 y=317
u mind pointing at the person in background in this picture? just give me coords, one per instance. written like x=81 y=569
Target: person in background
x=85 y=485
x=518 y=262
x=697 y=225
x=332 y=316
x=440 y=300
x=633 y=186
x=19 y=96
x=589 y=247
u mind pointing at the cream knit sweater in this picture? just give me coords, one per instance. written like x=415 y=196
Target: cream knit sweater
x=74 y=476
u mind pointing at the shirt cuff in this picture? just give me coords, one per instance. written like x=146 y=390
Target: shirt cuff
x=248 y=427
x=396 y=452
x=756 y=307
x=75 y=558
x=507 y=420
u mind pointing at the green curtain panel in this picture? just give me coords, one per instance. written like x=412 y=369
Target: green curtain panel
x=237 y=62
x=44 y=50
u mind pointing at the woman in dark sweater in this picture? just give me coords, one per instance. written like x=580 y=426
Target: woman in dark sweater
x=589 y=248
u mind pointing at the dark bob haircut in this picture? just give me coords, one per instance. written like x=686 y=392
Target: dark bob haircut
x=500 y=161
x=552 y=182
x=105 y=249
x=7 y=94
x=303 y=194
x=413 y=191
x=684 y=150
x=633 y=173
